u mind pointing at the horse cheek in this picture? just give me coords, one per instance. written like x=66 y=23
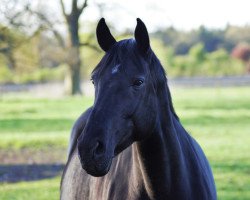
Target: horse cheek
x=145 y=121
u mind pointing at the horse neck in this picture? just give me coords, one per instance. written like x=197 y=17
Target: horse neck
x=160 y=155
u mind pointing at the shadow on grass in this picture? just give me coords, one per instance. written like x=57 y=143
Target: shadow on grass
x=23 y=172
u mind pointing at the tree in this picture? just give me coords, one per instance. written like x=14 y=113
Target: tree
x=197 y=53
x=212 y=39
x=7 y=46
x=74 y=60
x=14 y=17
x=43 y=21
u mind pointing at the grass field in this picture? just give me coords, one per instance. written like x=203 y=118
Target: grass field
x=218 y=118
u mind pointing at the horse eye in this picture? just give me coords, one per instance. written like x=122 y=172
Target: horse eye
x=138 y=82
x=93 y=82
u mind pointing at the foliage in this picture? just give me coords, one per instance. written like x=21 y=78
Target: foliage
x=234 y=35
x=5 y=74
x=38 y=75
x=163 y=53
x=212 y=39
x=199 y=63
x=197 y=52
x=90 y=56
x=180 y=41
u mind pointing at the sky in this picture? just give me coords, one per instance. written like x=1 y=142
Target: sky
x=182 y=14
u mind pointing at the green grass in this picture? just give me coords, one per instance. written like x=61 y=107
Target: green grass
x=218 y=118
x=36 y=190
x=27 y=122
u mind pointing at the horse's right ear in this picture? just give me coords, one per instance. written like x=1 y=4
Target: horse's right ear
x=141 y=36
x=104 y=37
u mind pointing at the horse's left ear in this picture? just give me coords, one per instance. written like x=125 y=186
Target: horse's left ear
x=104 y=37
x=141 y=36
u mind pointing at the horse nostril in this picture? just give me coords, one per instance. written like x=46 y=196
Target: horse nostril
x=99 y=149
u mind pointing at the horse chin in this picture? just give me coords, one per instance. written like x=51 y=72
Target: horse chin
x=98 y=173
x=96 y=169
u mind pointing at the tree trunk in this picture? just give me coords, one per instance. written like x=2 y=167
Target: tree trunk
x=73 y=78
x=73 y=75
x=11 y=60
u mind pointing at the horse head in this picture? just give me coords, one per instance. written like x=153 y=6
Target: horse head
x=125 y=99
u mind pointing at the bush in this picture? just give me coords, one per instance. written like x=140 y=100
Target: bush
x=5 y=74
x=199 y=63
x=38 y=75
x=43 y=75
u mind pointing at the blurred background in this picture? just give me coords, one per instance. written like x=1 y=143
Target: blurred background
x=48 y=50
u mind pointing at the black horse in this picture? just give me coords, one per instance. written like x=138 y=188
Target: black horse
x=130 y=144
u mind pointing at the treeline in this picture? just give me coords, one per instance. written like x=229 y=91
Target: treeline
x=207 y=52
x=212 y=39
x=200 y=52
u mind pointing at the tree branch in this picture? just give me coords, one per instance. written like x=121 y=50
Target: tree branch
x=87 y=44
x=58 y=37
x=51 y=27
x=34 y=34
x=12 y=19
x=74 y=6
x=5 y=50
x=63 y=9
x=84 y=5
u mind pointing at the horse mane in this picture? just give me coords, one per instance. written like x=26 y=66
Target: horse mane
x=160 y=79
x=127 y=47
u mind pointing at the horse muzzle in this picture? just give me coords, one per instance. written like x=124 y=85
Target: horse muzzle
x=95 y=161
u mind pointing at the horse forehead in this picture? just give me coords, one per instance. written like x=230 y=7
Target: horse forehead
x=115 y=69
